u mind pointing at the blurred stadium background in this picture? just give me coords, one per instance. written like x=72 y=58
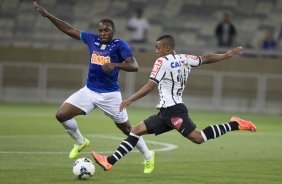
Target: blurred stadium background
x=39 y=64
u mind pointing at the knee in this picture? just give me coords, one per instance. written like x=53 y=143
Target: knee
x=126 y=128
x=139 y=129
x=196 y=137
x=61 y=117
x=126 y=131
x=135 y=131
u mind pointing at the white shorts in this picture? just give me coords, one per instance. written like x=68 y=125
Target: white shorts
x=88 y=100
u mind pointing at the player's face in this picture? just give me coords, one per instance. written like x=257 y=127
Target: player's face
x=106 y=32
x=162 y=49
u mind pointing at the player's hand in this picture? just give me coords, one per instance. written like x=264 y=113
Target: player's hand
x=108 y=67
x=234 y=51
x=40 y=9
x=124 y=104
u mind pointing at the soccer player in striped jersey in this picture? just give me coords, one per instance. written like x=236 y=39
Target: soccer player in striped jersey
x=108 y=55
x=169 y=74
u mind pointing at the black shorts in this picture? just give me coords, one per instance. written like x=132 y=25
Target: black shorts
x=174 y=117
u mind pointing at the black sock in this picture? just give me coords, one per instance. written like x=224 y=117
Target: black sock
x=214 y=131
x=125 y=147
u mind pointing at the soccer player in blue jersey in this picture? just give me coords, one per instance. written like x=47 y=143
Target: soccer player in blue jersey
x=107 y=56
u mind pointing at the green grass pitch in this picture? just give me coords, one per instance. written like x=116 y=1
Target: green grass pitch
x=34 y=149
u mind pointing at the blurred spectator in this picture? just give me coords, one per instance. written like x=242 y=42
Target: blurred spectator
x=269 y=42
x=279 y=39
x=280 y=33
x=225 y=31
x=138 y=26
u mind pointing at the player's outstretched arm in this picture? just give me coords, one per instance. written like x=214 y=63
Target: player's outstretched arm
x=212 y=58
x=63 y=26
x=146 y=89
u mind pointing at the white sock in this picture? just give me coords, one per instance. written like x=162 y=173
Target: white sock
x=72 y=129
x=142 y=147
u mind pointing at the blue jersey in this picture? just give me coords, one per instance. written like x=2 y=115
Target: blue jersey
x=114 y=52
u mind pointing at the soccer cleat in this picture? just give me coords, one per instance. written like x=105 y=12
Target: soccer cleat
x=149 y=164
x=244 y=124
x=76 y=149
x=102 y=161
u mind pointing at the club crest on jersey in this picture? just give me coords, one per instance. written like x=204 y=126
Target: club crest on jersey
x=103 y=46
x=96 y=58
x=156 y=67
x=177 y=122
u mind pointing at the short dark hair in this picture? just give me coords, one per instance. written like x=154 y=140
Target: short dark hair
x=108 y=21
x=169 y=38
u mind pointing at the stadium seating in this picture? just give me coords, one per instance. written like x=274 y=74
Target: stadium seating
x=43 y=52
x=20 y=23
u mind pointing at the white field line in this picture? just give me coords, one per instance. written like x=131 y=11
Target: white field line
x=166 y=146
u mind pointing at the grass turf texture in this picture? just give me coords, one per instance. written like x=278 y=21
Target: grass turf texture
x=34 y=149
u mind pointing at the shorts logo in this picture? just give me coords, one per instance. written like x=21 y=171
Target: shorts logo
x=177 y=122
x=100 y=60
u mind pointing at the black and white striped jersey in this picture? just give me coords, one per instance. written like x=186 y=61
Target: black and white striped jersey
x=170 y=72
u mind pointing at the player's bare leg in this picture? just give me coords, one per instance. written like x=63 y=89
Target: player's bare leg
x=65 y=116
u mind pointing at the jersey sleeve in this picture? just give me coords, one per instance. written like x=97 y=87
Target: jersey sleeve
x=193 y=61
x=87 y=37
x=124 y=50
x=158 y=71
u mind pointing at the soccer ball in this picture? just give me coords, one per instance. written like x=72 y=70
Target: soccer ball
x=83 y=168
